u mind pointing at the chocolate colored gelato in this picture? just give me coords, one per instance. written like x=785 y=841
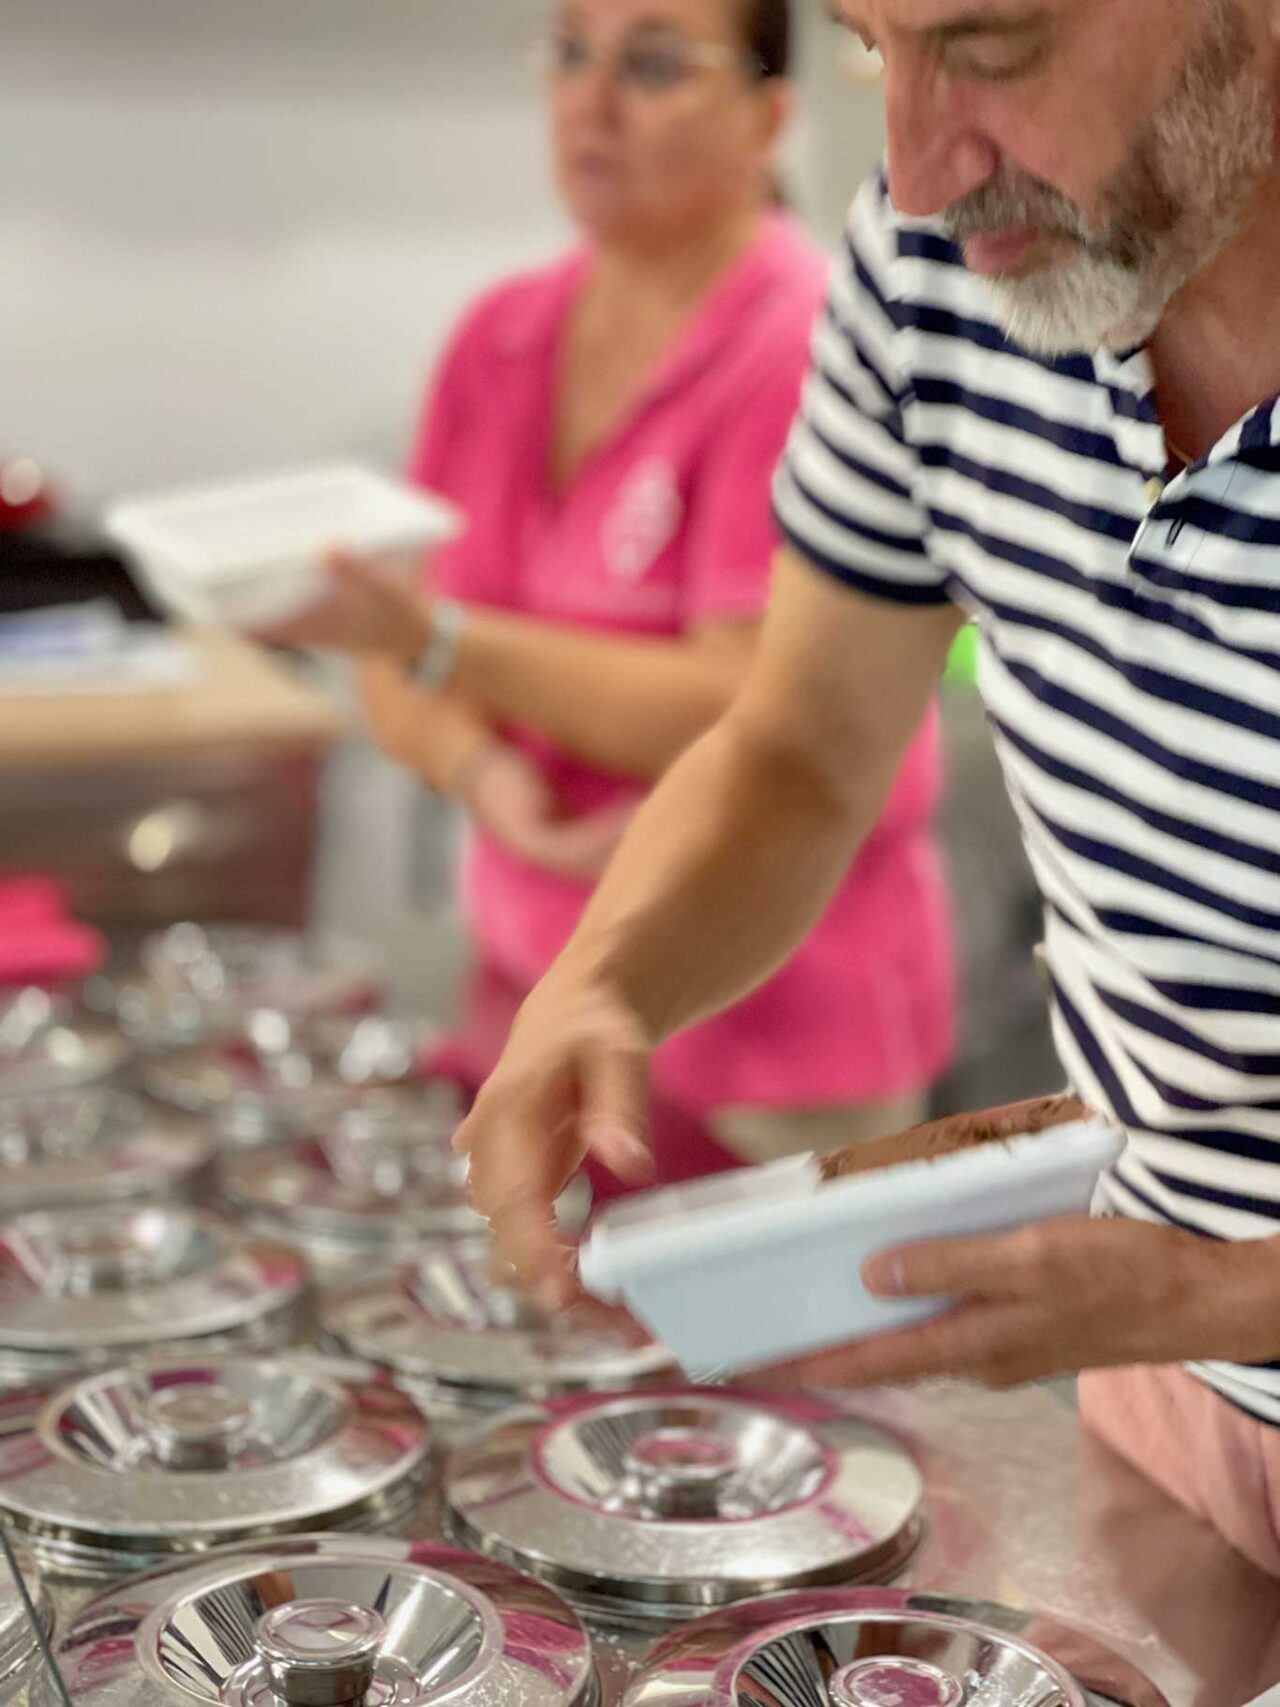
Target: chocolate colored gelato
x=957 y=1132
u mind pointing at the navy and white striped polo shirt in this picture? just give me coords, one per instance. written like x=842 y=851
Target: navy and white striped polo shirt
x=1130 y=663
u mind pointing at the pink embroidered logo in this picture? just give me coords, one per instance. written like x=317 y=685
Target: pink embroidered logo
x=643 y=521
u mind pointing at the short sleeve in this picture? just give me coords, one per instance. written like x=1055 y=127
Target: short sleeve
x=845 y=496
x=733 y=536
x=447 y=404
x=442 y=456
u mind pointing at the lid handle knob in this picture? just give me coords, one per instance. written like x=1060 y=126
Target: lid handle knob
x=682 y=1472
x=320 y=1653
x=892 y=1682
x=197 y=1426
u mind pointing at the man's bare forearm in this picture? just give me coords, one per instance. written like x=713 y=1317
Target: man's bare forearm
x=724 y=871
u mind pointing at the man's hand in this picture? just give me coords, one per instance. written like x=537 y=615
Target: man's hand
x=1062 y=1296
x=572 y=1078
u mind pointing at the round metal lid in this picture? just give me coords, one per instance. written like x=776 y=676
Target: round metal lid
x=19 y=1647
x=449 y=1324
x=329 y=1620
x=367 y=1188
x=378 y=1187
x=196 y=981
x=84 y=1146
x=282 y=1076
x=87 y=1281
x=884 y=1648
x=44 y=1046
x=660 y=1505
x=119 y=1469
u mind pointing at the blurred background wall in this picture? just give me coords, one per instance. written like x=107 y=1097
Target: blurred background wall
x=231 y=234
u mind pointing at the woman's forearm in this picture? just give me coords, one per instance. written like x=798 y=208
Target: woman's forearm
x=627 y=705
x=435 y=735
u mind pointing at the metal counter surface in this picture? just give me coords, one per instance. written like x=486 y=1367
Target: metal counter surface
x=1028 y=1509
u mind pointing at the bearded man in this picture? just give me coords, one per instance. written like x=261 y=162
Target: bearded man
x=1044 y=396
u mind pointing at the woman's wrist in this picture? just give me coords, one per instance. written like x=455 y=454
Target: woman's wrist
x=466 y=768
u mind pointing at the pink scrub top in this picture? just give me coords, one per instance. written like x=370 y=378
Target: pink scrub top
x=666 y=527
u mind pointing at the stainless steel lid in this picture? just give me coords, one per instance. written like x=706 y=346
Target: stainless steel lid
x=196 y=981
x=368 y=1189
x=122 y=1468
x=660 y=1505
x=379 y=1188
x=86 y=1146
x=884 y=1648
x=325 y=1621
x=19 y=1647
x=447 y=1325
x=282 y=1077
x=46 y=1046
x=94 y=1281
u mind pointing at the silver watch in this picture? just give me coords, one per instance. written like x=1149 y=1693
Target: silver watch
x=448 y=624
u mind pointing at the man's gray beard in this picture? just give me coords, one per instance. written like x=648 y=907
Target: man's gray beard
x=1172 y=210
x=1085 y=304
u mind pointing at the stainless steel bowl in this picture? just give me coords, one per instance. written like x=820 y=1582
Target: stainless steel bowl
x=78 y=1148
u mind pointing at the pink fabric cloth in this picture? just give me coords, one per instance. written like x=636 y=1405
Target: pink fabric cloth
x=667 y=527
x=1218 y=1462
x=40 y=943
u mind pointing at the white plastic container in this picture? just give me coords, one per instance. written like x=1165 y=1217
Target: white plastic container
x=248 y=554
x=765 y=1264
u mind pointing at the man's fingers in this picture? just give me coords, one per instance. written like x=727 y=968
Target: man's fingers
x=1011 y=1266
x=614 y=1106
x=993 y=1343
x=527 y=1238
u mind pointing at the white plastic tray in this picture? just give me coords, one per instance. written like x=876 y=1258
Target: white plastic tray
x=753 y=1267
x=247 y=554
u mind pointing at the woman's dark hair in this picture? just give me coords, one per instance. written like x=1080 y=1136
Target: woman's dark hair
x=766 y=33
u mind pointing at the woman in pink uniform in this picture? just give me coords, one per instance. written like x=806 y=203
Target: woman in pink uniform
x=609 y=426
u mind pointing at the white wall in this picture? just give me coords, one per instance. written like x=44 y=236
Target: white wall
x=232 y=231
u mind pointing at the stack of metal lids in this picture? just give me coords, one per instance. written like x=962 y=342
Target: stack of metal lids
x=86 y=1287
x=369 y=1190
x=279 y=1077
x=91 y=1146
x=327 y=1621
x=656 y=1506
x=125 y=1468
x=193 y=982
x=19 y=1645
x=453 y=1329
x=46 y=1046
x=884 y=1648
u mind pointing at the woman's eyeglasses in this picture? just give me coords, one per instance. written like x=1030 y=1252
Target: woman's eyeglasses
x=647 y=68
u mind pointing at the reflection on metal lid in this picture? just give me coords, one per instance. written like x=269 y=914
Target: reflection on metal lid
x=659 y=1505
x=449 y=1326
x=883 y=1648
x=83 y=1146
x=19 y=1648
x=305 y=1618
x=83 y=1287
x=122 y=1469
x=280 y=1078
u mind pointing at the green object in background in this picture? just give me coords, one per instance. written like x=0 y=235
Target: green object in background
x=962 y=665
